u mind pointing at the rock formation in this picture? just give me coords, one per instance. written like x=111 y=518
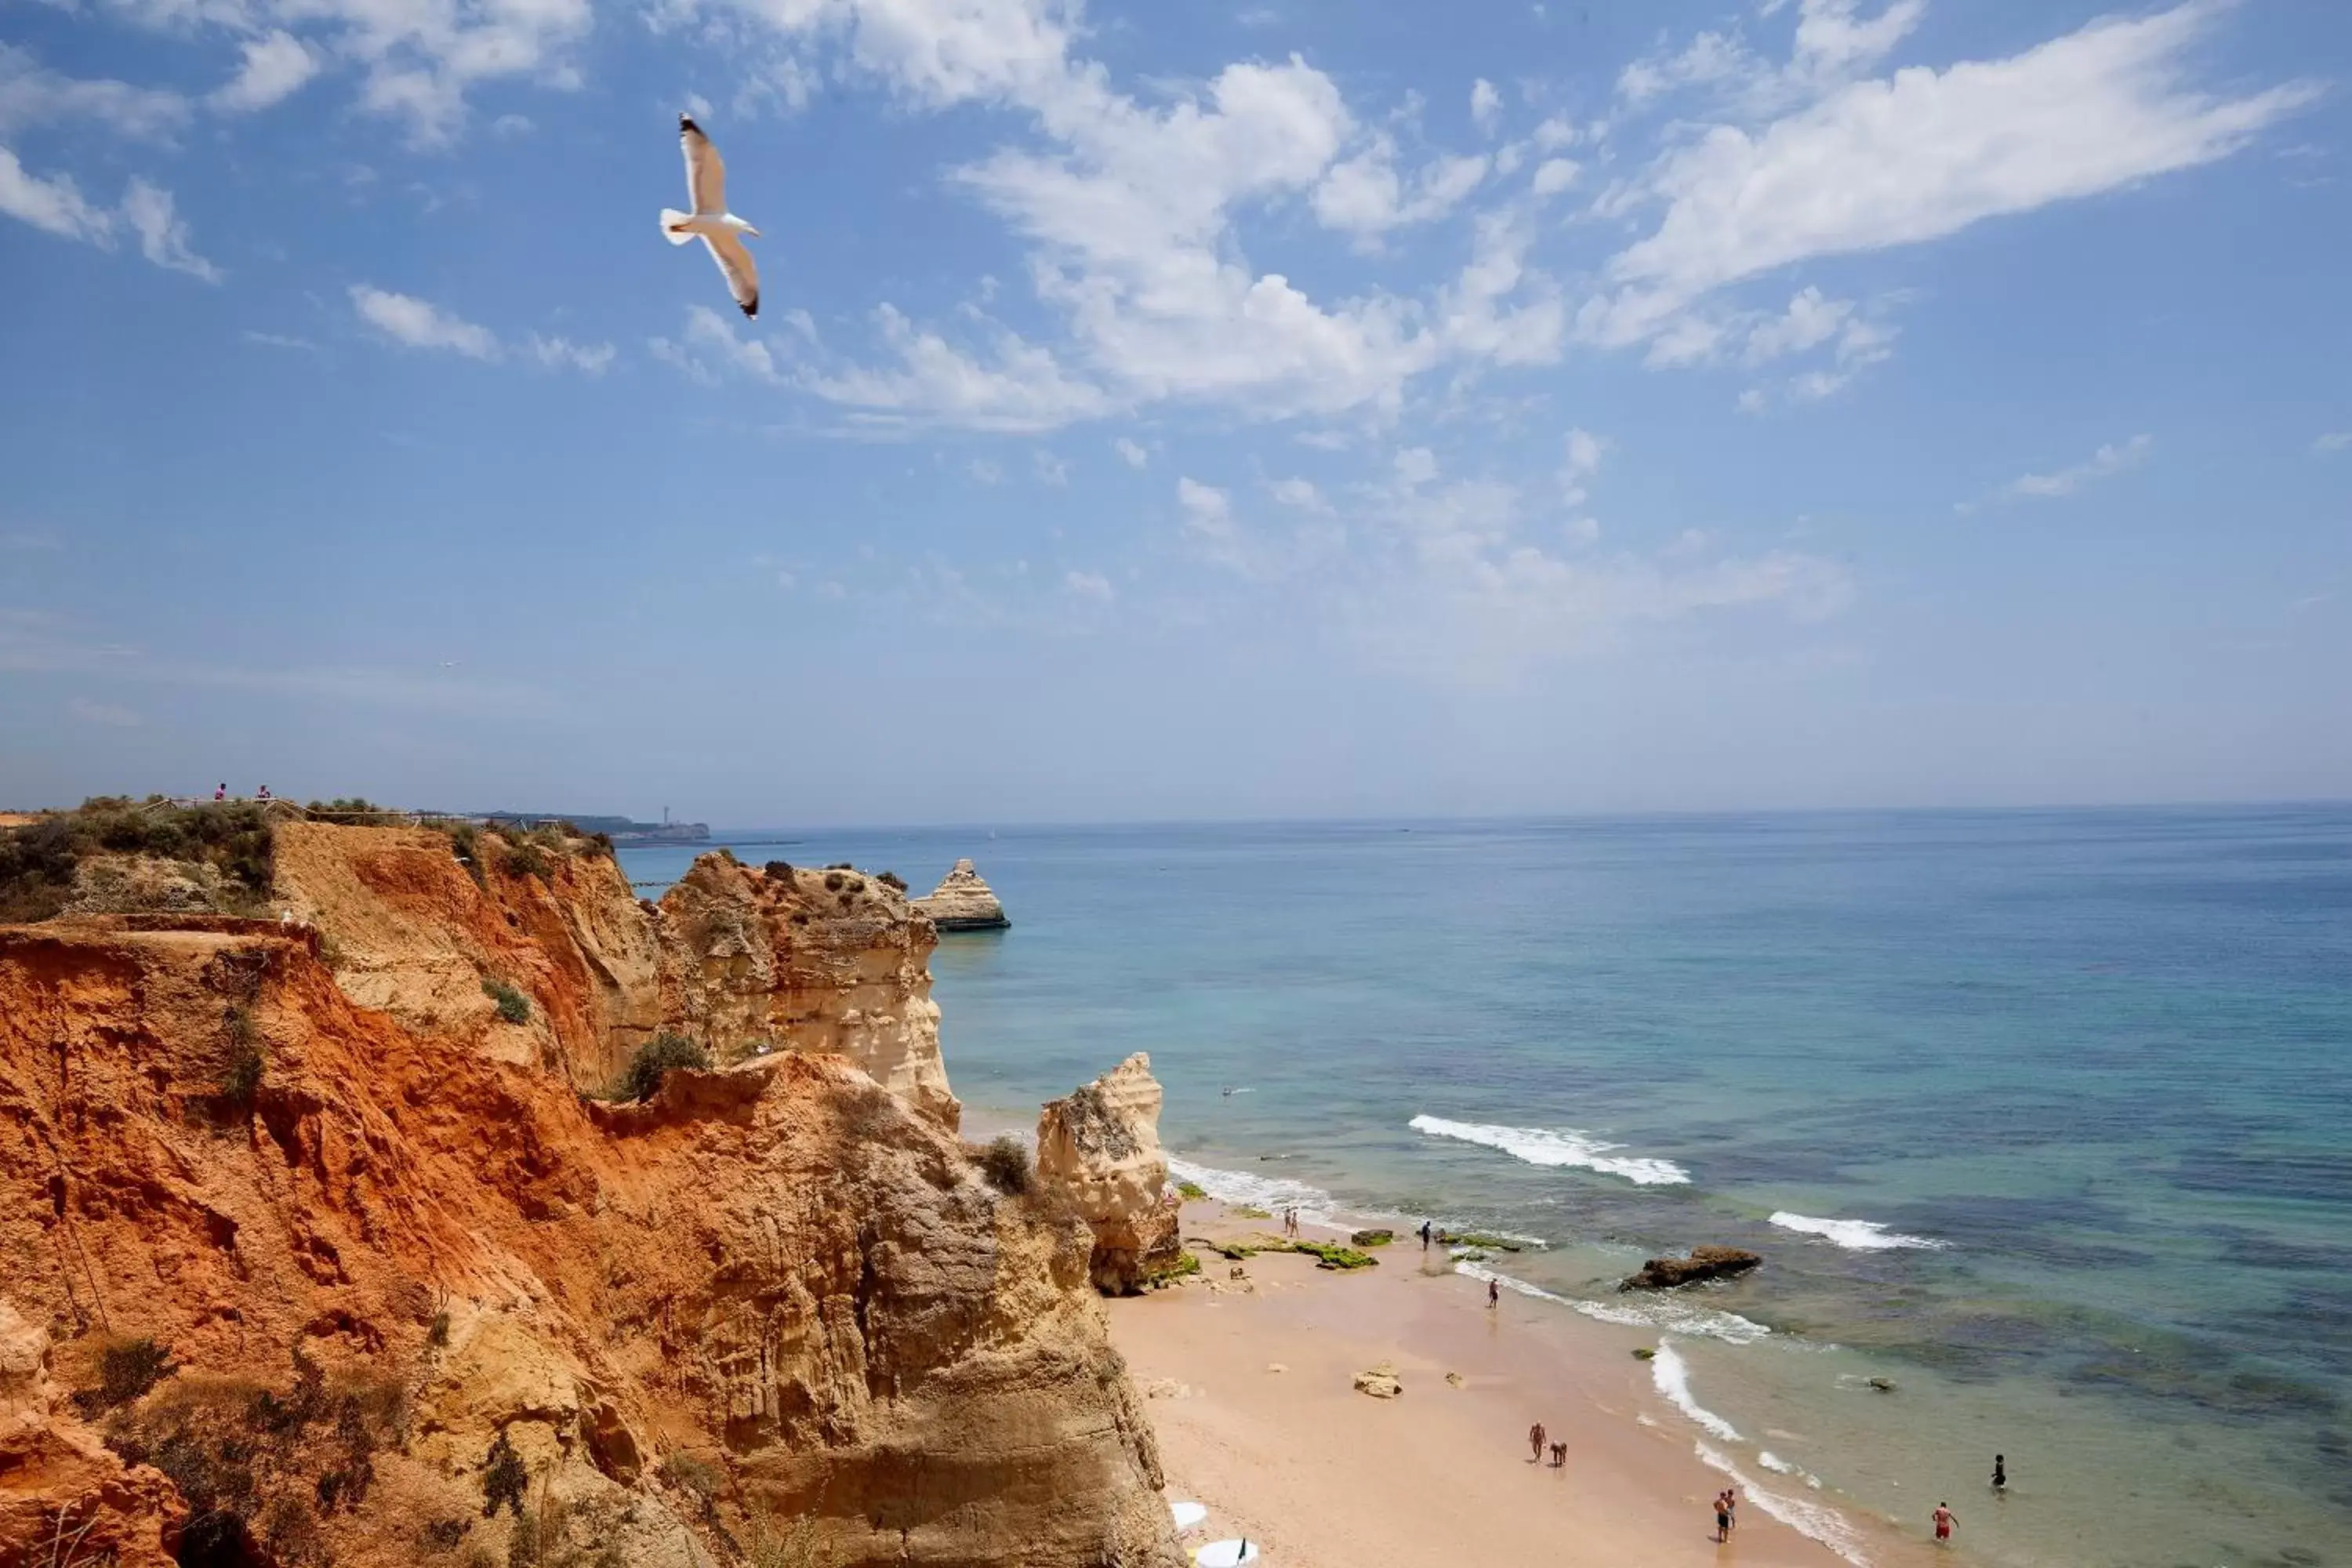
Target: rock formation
x=962 y=901
x=306 y=1255
x=1101 y=1145
x=1703 y=1263
x=793 y=959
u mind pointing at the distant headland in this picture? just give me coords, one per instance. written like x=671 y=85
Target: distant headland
x=619 y=829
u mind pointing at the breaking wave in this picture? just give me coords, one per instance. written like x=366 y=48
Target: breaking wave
x=1855 y=1234
x=1569 y=1147
x=1672 y=1376
x=1815 y=1520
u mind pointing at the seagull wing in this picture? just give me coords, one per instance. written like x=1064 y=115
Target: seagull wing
x=706 y=173
x=734 y=258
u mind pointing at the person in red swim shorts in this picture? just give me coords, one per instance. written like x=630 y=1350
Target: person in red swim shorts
x=1945 y=1519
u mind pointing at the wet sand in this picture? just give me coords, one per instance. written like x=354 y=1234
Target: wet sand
x=1324 y=1477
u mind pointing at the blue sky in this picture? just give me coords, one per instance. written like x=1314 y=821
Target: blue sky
x=1257 y=410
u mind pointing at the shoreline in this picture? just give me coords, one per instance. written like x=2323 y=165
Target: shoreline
x=1327 y=1477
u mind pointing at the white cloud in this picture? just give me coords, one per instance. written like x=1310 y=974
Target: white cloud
x=275 y=66
x=32 y=95
x=1415 y=466
x=1581 y=460
x=1812 y=319
x=420 y=324
x=1300 y=493
x=1485 y=105
x=562 y=354
x=105 y=715
x=1365 y=197
x=2112 y=458
x=1052 y=470
x=162 y=234
x=1921 y=154
x=1554 y=175
x=1092 y=586
x=1019 y=386
x=1132 y=455
x=55 y=205
x=278 y=340
x=1206 y=508
x=2334 y=441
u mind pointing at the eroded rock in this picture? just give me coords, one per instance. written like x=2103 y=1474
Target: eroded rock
x=963 y=901
x=1703 y=1263
x=1100 y=1143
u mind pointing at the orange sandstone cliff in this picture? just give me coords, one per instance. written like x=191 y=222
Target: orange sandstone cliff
x=309 y=1255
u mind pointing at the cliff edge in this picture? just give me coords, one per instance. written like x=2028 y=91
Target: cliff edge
x=306 y=1257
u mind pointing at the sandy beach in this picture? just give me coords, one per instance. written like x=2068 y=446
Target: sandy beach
x=1249 y=1385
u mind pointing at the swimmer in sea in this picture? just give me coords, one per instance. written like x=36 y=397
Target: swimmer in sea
x=1945 y=1519
x=2000 y=1473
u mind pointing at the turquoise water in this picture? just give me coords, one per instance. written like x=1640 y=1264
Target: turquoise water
x=2089 y=1072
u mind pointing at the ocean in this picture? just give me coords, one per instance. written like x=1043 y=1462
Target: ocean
x=2037 y=1117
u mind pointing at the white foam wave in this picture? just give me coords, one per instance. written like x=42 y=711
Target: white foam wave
x=1676 y=1317
x=1772 y=1461
x=1855 y=1234
x=1815 y=1520
x=1671 y=1373
x=1273 y=1194
x=1568 y=1147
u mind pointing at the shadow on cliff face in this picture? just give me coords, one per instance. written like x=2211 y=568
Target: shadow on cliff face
x=377 y=1247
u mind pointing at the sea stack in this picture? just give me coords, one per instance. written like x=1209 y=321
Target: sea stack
x=962 y=901
x=1101 y=1144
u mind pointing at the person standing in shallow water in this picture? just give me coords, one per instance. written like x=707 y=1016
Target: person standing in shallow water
x=1425 y=1235
x=2000 y=1473
x=1945 y=1519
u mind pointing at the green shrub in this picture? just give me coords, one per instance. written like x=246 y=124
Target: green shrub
x=505 y=1482
x=656 y=1058
x=355 y=811
x=126 y=1369
x=38 y=862
x=240 y=1074
x=1191 y=1192
x=529 y=859
x=514 y=1008
x=892 y=880
x=1248 y=1211
x=1005 y=1163
x=1184 y=1263
x=698 y=1476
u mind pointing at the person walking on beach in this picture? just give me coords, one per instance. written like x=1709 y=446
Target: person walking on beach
x=1722 y=1518
x=1945 y=1519
x=1732 y=1506
x=1535 y=1443
x=1425 y=1235
x=1494 y=1295
x=2000 y=1473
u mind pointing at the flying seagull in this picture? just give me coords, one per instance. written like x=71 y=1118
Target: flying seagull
x=706 y=188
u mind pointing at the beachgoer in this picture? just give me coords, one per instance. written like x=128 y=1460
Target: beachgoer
x=1731 y=1506
x=220 y=791
x=262 y=794
x=1493 y=1294
x=2000 y=1473
x=1535 y=1441
x=1722 y=1517
x=1945 y=1519
x=1425 y=1235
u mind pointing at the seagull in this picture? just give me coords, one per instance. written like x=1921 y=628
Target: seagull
x=706 y=188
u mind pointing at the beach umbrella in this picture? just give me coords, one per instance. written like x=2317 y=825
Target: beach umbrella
x=1225 y=1554
x=1188 y=1515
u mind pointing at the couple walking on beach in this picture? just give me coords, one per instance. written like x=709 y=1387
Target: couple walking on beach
x=1537 y=1443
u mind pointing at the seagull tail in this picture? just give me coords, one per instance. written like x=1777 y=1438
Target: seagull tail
x=671 y=220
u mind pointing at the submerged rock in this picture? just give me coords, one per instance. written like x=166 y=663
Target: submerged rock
x=962 y=901
x=1100 y=1143
x=1703 y=1263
